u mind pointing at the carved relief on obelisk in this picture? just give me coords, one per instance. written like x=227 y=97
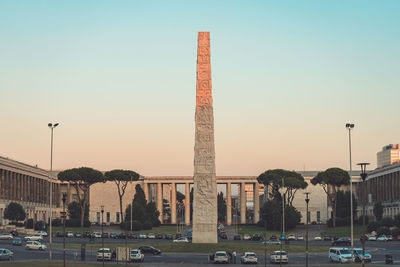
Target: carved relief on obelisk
x=205 y=185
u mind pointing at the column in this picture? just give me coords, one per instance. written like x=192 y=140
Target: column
x=256 y=203
x=242 y=203
x=160 y=201
x=187 y=203
x=146 y=191
x=173 y=203
x=228 y=204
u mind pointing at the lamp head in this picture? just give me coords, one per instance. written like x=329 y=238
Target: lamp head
x=349 y=125
x=55 y=125
x=102 y=209
x=50 y=124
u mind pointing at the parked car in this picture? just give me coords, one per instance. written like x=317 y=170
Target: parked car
x=181 y=240
x=300 y=237
x=169 y=236
x=105 y=235
x=344 y=241
x=318 y=238
x=35 y=237
x=291 y=237
x=113 y=235
x=336 y=237
x=6 y=254
x=132 y=236
x=137 y=255
x=78 y=234
x=272 y=242
x=389 y=237
x=43 y=233
x=17 y=241
x=223 y=235
x=6 y=236
x=87 y=234
x=358 y=255
x=178 y=235
x=159 y=236
x=340 y=255
x=279 y=256
x=237 y=237
x=142 y=236
x=60 y=234
x=151 y=236
x=249 y=257
x=14 y=232
x=96 y=235
x=69 y=234
x=149 y=249
x=382 y=238
x=327 y=238
x=35 y=245
x=221 y=257
x=104 y=253
x=372 y=238
x=246 y=237
x=257 y=237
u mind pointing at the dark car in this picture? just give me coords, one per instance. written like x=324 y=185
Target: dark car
x=159 y=236
x=14 y=233
x=327 y=238
x=237 y=237
x=178 y=236
x=257 y=237
x=148 y=249
x=336 y=237
x=113 y=235
x=105 y=235
x=169 y=236
x=132 y=236
x=345 y=241
x=273 y=237
x=60 y=234
x=17 y=241
x=122 y=236
x=78 y=234
x=87 y=234
x=223 y=235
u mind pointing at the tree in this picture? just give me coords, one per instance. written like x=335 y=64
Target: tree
x=333 y=177
x=81 y=179
x=271 y=216
x=179 y=197
x=221 y=207
x=292 y=182
x=121 y=178
x=74 y=213
x=343 y=204
x=378 y=211
x=14 y=212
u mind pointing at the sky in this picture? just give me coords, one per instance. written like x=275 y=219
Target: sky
x=119 y=77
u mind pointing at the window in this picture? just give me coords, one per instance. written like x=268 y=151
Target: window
x=117 y=216
x=318 y=216
x=98 y=217
x=108 y=216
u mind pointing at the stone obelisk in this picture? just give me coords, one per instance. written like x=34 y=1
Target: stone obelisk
x=205 y=184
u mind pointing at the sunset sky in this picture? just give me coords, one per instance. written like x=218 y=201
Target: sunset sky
x=119 y=77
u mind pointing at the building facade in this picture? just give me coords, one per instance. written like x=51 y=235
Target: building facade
x=389 y=155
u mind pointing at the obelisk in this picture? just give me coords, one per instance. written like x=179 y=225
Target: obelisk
x=205 y=184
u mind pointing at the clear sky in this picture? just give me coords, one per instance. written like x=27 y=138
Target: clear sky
x=119 y=76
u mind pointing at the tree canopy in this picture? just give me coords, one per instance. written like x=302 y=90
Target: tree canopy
x=292 y=182
x=121 y=178
x=81 y=179
x=14 y=212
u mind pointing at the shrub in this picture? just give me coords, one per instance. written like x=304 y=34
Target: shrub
x=387 y=221
x=147 y=225
x=383 y=230
x=373 y=226
x=29 y=224
x=56 y=222
x=39 y=226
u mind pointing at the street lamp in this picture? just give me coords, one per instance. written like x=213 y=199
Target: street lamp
x=350 y=126
x=131 y=209
x=363 y=175
x=102 y=236
x=307 y=200
x=265 y=239
x=51 y=126
x=64 y=217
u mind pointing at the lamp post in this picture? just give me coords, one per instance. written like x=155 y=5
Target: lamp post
x=307 y=200
x=349 y=127
x=363 y=175
x=102 y=236
x=265 y=239
x=283 y=221
x=51 y=126
x=64 y=216
x=131 y=209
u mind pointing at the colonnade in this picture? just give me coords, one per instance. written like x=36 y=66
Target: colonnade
x=173 y=185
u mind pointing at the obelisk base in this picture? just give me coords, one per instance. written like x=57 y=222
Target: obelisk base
x=205 y=233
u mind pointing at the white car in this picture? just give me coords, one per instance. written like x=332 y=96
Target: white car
x=43 y=233
x=249 y=257
x=221 y=257
x=151 y=236
x=279 y=256
x=35 y=245
x=181 y=240
x=372 y=238
x=300 y=237
x=382 y=238
x=6 y=254
x=137 y=255
x=7 y=236
x=69 y=234
x=97 y=235
x=291 y=237
x=35 y=237
x=106 y=252
x=340 y=255
x=142 y=236
x=318 y=238
x=246 y=237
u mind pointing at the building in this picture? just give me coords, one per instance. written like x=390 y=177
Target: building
x=389 y=155
x=29 y=186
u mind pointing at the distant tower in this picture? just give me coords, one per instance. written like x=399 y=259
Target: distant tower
x=205 y=215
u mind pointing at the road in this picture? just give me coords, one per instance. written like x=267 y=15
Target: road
x=377 y=249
